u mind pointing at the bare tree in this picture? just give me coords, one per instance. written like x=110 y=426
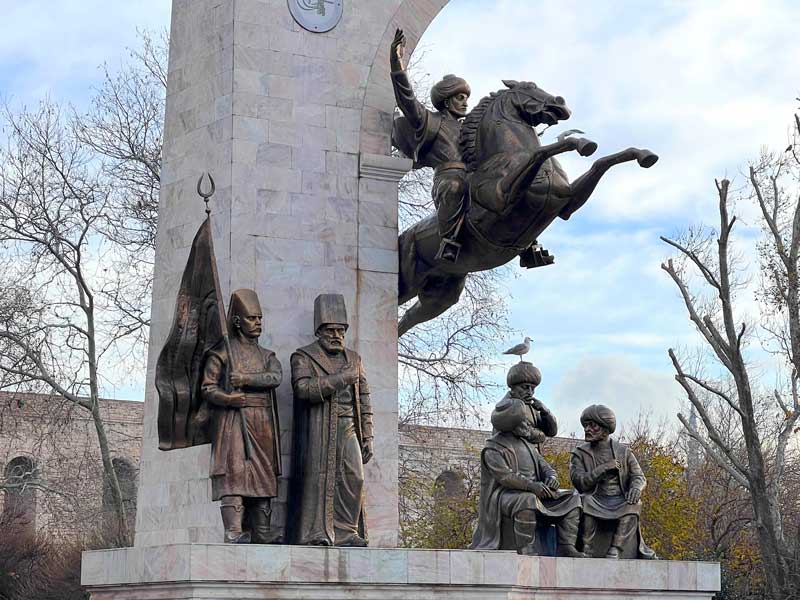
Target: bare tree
x=56 y=334
x=124 y=129
x=759 y=464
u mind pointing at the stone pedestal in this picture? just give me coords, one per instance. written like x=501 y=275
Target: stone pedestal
x=233 y=572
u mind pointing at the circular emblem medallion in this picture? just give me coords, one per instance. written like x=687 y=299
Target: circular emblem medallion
x=316 y=15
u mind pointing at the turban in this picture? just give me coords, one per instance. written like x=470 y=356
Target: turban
x=508 y=413
x=602 y=415
x=523 y=372
x=447 y=88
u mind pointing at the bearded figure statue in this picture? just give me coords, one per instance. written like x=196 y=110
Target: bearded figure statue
x=520 y=490
x=332 y=434
x=610 y=481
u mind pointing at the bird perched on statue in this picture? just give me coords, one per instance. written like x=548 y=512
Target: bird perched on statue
x=520 y=349
x=565 y=134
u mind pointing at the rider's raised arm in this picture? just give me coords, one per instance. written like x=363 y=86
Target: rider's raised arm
x=407 y=101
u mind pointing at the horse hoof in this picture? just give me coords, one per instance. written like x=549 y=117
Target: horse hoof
x=586 y=147
x=647 y=159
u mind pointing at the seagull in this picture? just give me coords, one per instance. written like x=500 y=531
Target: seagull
x=564 y=135
x=520 y=349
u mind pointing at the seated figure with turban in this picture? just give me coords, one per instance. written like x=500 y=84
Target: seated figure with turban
x=520 y=490
x=610 y=481
x=522 y=380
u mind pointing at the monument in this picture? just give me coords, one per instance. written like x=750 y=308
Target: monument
x=289 y=105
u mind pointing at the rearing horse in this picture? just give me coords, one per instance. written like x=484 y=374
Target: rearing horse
x=516 y=190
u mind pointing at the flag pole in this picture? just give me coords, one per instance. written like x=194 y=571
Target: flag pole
x=248 y=446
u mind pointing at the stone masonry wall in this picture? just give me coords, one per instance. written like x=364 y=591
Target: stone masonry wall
x=63 y=444
x=61 y=441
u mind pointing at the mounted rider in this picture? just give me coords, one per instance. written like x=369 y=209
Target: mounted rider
x=431 y=138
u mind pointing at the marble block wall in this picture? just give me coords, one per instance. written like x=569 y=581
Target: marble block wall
x=238 y=572
x=295 y=128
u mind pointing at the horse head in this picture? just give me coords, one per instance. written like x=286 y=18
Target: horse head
x=535 y=106
x=504 y=121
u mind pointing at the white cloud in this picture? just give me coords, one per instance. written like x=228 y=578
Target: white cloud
x=703 y=85
x=619 y=383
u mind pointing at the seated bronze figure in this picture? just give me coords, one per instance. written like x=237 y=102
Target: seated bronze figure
x=610 y=481
x=519 y=489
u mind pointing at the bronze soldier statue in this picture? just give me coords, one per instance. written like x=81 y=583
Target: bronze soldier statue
x=519 y=489
x=332 y=434
x=238 y=382
x=522 y=380
x=431 y=139
x=610 y=481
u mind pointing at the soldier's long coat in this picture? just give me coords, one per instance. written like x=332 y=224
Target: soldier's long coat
x=314 y=443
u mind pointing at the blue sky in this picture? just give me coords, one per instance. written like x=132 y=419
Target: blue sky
x=705 y=85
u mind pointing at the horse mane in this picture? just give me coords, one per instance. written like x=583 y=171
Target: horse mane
x=470 y=128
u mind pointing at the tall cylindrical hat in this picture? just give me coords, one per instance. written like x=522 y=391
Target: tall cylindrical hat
x=329 y=309
x=243 y=302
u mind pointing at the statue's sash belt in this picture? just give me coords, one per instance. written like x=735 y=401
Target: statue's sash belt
x=257 y=401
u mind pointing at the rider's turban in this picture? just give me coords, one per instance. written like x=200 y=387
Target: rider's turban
x=508 y=414
x=602 y=415
x=447 y=88
x=523 y=372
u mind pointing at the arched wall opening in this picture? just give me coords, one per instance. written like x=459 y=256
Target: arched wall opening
x=19 y=504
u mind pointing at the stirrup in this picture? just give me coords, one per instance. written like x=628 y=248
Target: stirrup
x=449 y=250
x=535 y=256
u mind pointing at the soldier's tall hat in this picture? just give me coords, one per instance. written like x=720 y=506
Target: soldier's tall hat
x=329 y=309
x=243 y=302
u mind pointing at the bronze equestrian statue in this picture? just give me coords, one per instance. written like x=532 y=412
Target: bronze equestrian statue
x=496 y=190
